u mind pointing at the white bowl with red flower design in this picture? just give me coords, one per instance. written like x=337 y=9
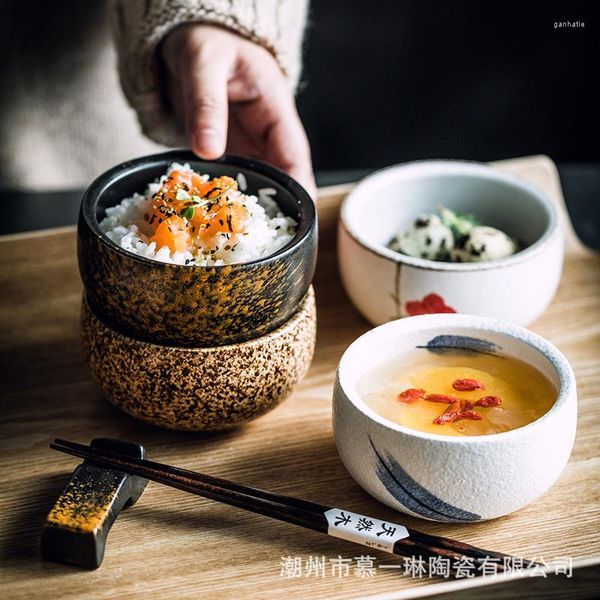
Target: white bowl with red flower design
x=385 y=285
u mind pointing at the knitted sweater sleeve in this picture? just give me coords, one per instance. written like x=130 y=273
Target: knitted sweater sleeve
x=139 y=26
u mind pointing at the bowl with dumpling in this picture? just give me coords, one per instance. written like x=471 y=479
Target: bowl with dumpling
x=445 y=236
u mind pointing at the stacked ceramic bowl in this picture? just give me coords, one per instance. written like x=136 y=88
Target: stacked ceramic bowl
x=196 y=347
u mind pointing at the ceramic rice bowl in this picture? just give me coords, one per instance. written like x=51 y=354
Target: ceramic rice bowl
x=447 y=478
x=199 y=389
x=195 y=305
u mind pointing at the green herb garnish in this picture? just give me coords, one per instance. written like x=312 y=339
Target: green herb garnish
x=187 y=213
x=459 y=223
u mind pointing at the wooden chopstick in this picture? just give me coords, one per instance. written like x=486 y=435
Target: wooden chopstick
x=284 y=508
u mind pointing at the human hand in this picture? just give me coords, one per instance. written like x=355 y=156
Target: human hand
x=231 y=93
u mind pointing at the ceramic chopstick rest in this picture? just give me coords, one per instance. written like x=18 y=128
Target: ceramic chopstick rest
x=77 y=526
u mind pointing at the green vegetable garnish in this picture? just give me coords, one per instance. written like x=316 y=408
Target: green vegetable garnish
x=187 y=213
x=459 y=224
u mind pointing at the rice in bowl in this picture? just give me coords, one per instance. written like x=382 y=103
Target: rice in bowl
x=190 y=219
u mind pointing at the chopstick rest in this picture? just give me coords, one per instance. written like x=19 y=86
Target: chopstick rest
x=77 y=526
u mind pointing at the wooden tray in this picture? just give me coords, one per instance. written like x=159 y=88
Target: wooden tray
x=175 y=545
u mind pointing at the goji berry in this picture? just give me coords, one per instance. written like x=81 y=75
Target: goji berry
x=470 y=414
x=449 y=415
x=489 y=401
x=461 y=409
x=441 y=398
x=410 y=395
x=467 y=385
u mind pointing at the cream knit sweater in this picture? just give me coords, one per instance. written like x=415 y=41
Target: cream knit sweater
x=63 y=115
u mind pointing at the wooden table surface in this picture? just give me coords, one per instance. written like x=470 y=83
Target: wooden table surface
x=171 y=544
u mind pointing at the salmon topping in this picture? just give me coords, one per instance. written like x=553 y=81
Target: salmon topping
x=186 y=209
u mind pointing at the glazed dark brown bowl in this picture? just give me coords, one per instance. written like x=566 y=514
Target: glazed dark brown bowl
x=192 y=305
x=199 y=389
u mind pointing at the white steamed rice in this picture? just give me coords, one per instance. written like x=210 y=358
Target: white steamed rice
x=267 y=229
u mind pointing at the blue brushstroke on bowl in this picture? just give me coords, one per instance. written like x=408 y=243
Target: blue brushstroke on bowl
x=442 y=344
x=414 y=496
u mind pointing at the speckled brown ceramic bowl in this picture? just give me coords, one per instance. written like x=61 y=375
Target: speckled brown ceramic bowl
x=191 y=305
x=199 y=389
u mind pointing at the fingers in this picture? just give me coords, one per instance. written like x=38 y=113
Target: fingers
x=215 y=71
x=240 y=141
x=273 y=120
x=286 y=141
x=204 y=90
x=290 y=151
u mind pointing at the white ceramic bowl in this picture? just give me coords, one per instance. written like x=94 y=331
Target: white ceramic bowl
x=385 y=285
x=446 y=478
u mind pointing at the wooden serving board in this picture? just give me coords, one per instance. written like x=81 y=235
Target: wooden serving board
x=171 y=544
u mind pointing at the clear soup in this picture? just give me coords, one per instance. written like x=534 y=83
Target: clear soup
x=425 y=391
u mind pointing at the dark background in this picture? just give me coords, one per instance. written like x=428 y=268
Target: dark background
x=396 y=80
x=387 y=81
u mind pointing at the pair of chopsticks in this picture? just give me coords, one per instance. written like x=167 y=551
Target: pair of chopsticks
x=284 y=508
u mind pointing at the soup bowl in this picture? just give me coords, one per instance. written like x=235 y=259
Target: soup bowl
x=385 y=285
x=447 y=478
x=195 y=305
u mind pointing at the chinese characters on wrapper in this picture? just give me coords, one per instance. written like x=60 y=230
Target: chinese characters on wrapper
x=368 y=531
